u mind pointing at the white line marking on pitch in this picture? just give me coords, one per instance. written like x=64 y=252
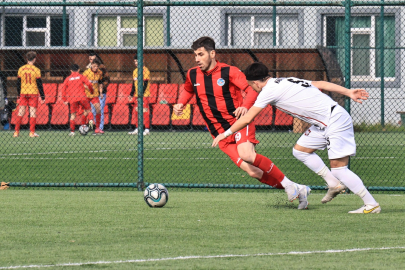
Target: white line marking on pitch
x=202 y=257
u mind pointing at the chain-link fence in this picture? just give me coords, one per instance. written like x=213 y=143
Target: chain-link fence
x=140 y=140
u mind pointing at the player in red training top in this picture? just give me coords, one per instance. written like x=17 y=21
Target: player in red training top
x=74 y=93
x=218 y=87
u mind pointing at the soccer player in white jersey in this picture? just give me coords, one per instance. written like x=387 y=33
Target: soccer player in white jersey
x=332 y=128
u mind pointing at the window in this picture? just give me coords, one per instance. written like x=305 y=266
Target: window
x=41 y=31
x=121 y=31
x=365 y=36
x=258 y=31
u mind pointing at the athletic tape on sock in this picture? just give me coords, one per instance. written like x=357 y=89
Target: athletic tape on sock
x=323 y=172
x=362 y=193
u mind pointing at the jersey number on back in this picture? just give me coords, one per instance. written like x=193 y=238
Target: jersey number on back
x=28 y=78
x=303 y=84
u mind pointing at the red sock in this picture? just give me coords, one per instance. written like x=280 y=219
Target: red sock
x=72 y=125
x=84 y=119
x=33 y=121
x=98 y=116
x=18 y=124
x=272 y=175
x=146 y=120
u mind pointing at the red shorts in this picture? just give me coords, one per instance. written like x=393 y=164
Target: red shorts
x=29 y=100
x=74 y=106
x=230 y=145
x=94 y=100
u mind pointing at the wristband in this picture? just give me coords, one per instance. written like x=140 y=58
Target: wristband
x=228 y=133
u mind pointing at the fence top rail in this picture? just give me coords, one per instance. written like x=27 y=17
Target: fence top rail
x=203 y=3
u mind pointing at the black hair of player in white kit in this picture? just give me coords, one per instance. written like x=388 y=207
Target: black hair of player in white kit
x=257 y=72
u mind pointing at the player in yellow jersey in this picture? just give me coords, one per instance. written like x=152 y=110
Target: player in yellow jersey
x=146 y=93
x=95 y=76
x=29 y=86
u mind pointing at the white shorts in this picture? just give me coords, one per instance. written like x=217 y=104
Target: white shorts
x=337 y=137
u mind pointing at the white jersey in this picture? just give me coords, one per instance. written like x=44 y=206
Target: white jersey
x=298 y=98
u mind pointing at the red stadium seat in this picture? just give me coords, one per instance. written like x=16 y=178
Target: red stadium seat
x=112 y=91
x=120 y=114
x=167 y=94
x=198 y=120
x=124 y=90
x=265 y=118
x=160 y=114
x=120 y=110
x=283 y=119
x=59 y=94
x=50 y=90
x=183 y=120
x=24 y=120
x=60 y=113
x=42 y=113
x=153 y=93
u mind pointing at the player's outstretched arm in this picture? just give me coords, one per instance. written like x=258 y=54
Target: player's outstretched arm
x=239 y=124
x=357 y=95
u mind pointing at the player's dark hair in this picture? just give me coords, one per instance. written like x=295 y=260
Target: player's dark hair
x=96 y=61
x=256 y=72
x=31 y=55
x=74 y=67
x=204 y=42
x=93 y=53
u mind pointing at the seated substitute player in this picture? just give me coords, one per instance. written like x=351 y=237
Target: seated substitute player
x=332 y=127
x=218 y=88
x=146 y=93
x=29 y=87
x=95 y=76
x=74 y=93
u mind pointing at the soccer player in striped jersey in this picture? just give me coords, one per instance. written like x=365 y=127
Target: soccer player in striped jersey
x=332 y=128
x=218 y=88
x=95 y=76
x=29 y=87
x=73 y=92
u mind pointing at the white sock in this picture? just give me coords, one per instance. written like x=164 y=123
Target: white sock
x=354 y=183
x=286 y=182
x=316 y=164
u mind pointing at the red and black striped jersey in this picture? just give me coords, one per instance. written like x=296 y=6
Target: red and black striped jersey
x=218 y=93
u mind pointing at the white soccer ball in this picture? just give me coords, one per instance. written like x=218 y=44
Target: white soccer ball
x=156 y=195
x=83 y=129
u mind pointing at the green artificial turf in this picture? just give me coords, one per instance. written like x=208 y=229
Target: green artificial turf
x=251 y=230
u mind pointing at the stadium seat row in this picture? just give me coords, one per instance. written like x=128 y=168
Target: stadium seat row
x=120 y=111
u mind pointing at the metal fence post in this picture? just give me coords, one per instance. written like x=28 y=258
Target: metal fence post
x=140 y=183
x=168 y=24
x=347 y=51
x=382 y=75
x=64 y=24
x=274 y=25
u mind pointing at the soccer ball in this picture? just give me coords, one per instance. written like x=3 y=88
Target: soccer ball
x=83 y=129
x=156 y=195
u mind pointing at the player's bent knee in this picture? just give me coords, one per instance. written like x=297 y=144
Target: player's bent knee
x=247 y=157
x=301 y=156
